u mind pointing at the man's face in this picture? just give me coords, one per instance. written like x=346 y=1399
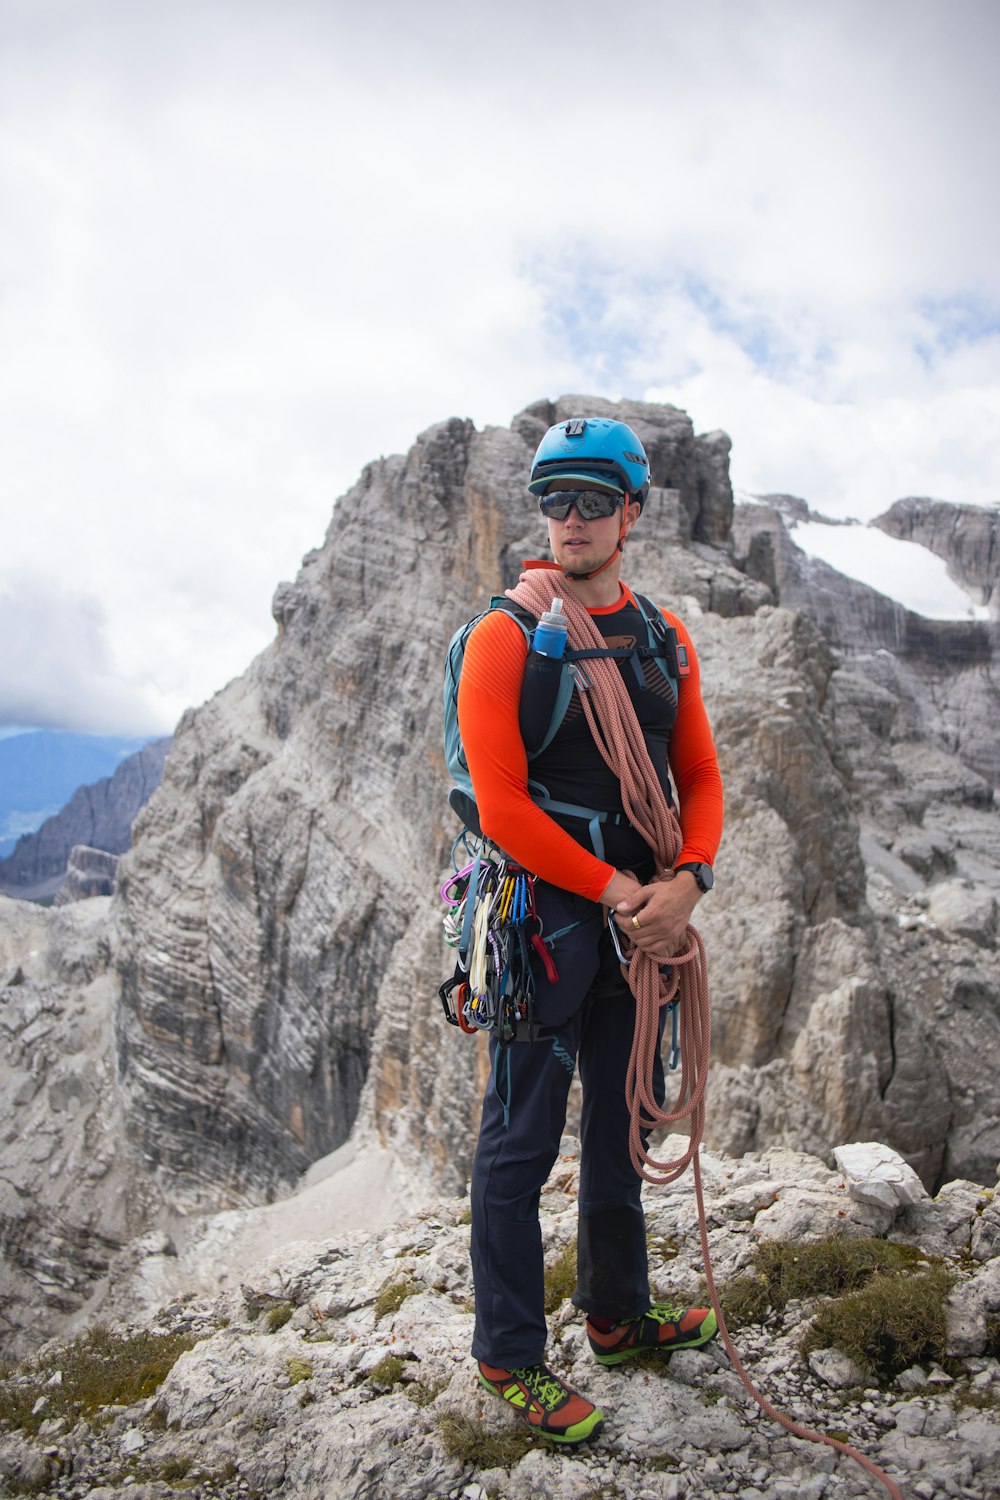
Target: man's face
x=580 y=546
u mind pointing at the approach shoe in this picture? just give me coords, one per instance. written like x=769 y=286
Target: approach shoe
x=548 y=1405
x=662 y=1329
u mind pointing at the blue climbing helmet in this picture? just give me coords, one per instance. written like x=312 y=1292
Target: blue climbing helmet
x=605 y=454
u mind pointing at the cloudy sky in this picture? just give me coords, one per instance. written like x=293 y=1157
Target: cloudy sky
x=249 y=245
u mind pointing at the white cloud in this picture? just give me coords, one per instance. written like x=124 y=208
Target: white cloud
x=851 y=457
x=249 y=247
x=56 y=670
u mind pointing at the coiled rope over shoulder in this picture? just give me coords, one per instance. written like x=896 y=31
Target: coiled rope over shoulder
x=619 y=739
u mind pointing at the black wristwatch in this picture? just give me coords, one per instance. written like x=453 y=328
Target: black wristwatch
x=703 y=875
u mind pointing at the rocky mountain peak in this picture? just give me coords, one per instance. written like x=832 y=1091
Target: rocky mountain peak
x=269 y=967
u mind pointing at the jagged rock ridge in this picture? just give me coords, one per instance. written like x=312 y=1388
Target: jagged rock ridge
x=97 y=816
x=276 y=932
x=916 y=712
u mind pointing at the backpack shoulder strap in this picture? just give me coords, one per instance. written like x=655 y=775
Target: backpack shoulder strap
x=524 y=617
x=462 y=798
x=456 y=646
x=665 y=636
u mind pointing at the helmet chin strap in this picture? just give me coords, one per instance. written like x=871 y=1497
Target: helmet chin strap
x=583 y=577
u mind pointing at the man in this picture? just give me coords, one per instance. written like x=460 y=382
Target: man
x=592 y=478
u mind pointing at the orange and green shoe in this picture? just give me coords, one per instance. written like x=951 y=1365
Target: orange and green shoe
x=662 y=1329
x=547 y=1404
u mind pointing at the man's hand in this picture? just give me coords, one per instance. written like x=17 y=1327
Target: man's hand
x=619 y=888
x=663 y=910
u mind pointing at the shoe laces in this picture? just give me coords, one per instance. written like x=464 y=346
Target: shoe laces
x=541 y=1382
x=663 y=1312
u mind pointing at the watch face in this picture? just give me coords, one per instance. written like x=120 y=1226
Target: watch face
x=705 y=877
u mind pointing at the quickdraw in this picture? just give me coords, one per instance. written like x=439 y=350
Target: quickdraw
x=493 y=923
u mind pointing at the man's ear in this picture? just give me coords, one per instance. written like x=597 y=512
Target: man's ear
x=632 y=514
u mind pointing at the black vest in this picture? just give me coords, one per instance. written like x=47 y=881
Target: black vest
x=571 y=769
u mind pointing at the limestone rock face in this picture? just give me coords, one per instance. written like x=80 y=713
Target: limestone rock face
x=915 y=712
x=89 y=872
x=67 y=1200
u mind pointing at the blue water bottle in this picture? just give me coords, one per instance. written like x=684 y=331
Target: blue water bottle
x=542 y=676
x=551 y=631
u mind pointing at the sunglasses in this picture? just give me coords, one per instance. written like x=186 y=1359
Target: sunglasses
x=593 y=505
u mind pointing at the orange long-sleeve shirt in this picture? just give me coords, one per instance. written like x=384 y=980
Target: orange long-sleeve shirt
x=489 y=698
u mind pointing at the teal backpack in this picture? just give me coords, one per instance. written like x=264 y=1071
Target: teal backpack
x=662 y=645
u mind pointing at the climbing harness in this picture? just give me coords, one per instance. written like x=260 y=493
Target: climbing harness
x=619 y=740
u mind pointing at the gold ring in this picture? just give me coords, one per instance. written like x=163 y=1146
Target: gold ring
x=635 y=922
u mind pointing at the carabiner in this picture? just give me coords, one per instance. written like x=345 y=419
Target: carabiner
x=616 y=939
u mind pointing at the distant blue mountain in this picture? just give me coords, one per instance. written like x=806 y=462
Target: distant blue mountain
x=42 y=768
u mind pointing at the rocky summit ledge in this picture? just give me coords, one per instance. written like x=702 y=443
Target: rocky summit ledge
x=340 y=1368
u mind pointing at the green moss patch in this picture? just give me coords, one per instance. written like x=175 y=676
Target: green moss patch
x=887 y=1307
x=392 y=1296
x=892 y=1323
x=298 y=1370
x=276 y=1317
x=560 y=1277
x=99 y=1369
x=830 y=1267
x=488 y=1448
x=387 y=1373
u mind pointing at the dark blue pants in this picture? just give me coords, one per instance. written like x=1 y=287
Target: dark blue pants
x=592 y=1012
